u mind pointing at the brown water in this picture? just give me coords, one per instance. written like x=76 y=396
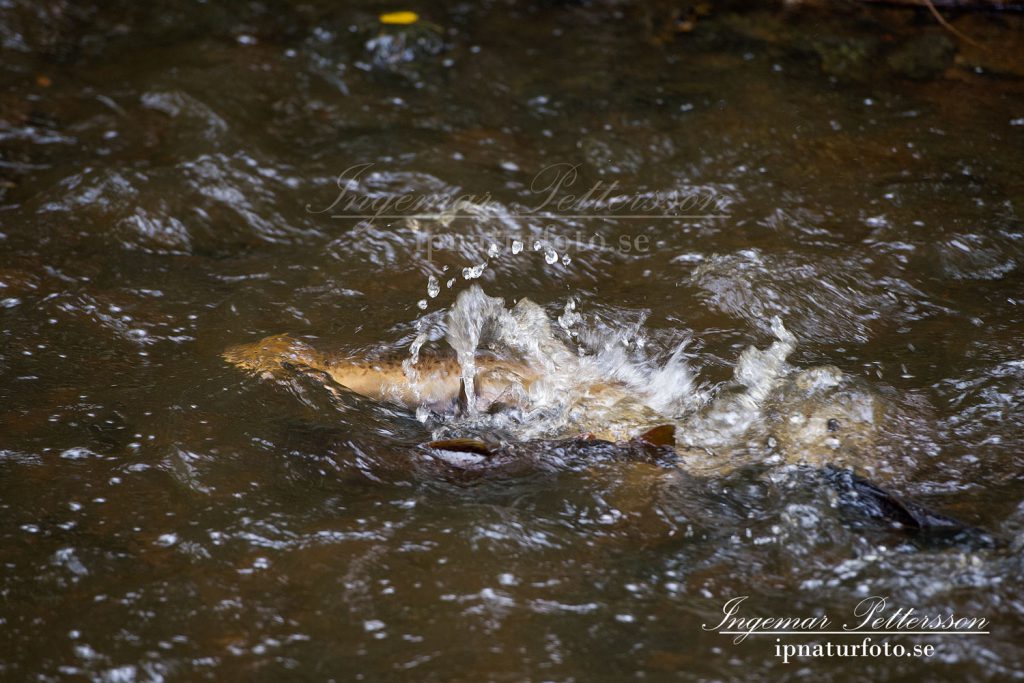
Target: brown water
x=165 y=516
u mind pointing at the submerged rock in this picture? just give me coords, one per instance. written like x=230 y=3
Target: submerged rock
x=402 y=43
x=922 y=56
x=847 y=57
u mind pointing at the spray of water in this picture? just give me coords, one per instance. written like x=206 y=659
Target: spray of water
x=573 y=377
x=528 y=375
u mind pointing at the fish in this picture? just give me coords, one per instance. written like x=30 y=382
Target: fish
x=816 y=419
x=435 y=382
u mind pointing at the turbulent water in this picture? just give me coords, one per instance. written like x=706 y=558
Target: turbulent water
x=177 y=178
x=598 y=378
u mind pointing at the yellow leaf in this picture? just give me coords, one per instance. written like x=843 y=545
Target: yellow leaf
x=404 y=17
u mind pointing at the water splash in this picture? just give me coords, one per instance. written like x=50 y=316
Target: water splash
x=473 y=310
x=740 y=402
x=566 y=379
x=528 y=375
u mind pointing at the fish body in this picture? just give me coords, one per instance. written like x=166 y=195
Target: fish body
x=433 y=381
x=598 y=409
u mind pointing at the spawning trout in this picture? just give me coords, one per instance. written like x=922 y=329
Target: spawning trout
x=597 y=409
x=434 y=382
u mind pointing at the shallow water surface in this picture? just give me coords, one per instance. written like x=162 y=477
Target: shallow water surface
x=169 y=186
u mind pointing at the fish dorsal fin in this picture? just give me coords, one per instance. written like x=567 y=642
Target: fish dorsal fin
x=462 y=404
x=461 y=446
x=662 y=435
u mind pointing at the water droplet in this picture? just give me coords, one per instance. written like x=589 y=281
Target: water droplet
x=566 y=260
x=76 y=453
x=417 y=344
x=537 y=246
x=493 y=250
x=550 y=255
x=167 y=540
x=517 y=246
x=433 y=286
x=474 y=272
x=451 y=282
x=422 y=303
x=371 y=625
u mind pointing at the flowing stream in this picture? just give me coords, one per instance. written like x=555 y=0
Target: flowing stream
x=794 y=234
